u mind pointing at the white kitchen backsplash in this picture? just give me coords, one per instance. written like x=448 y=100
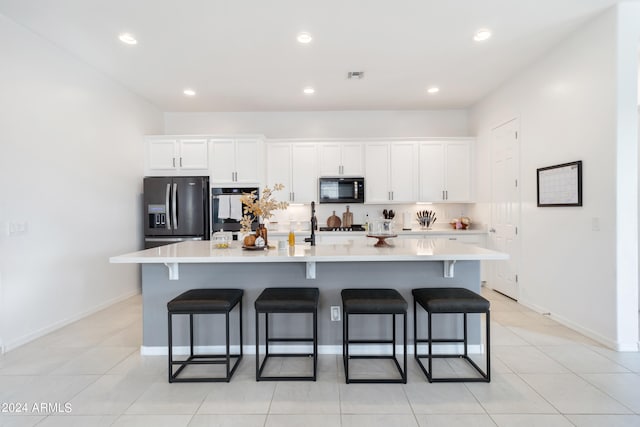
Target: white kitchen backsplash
x=300 y=215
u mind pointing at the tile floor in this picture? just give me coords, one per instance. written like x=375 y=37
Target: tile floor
x=543 y=375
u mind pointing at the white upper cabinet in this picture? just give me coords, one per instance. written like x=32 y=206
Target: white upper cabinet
x=391 y=172
x=376 y=167
x=458 y=172
x=176 y=156
x=304 y=173
x=236 y=161
x=279 y=169
x=445 y=171
x=403 y=171
x=296 y=166
x=432 y=171
x=340 y=158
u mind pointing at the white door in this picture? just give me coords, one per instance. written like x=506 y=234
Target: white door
x=505 y=207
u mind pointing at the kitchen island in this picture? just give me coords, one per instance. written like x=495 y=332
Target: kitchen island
x=409 y=263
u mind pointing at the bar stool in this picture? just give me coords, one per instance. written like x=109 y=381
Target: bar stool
x=292 y=301
x=205 y=301
x=450 y=300
x=379 y=302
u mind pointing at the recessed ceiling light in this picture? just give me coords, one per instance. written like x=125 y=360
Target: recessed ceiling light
x=127 y=38
x=482 y=35
x=433 y=89
x=309 y=90
x=304 y=38
x=189 y=92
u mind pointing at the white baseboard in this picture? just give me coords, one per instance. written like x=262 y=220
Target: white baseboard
x=322 y=349
x=614 y=345
x=57 y=325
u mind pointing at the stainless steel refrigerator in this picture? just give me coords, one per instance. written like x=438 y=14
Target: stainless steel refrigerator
x=175 y=209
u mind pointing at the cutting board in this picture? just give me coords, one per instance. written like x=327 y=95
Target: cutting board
x=334 y=221
x=347 y=218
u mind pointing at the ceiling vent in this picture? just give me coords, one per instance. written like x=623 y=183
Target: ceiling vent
x=355 y=75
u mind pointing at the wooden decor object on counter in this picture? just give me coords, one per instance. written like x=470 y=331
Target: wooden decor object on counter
x=334 y=221
x=347 y=218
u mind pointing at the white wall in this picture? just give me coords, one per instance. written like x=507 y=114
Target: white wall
x=70 y=165
x=323 y=124
x=568 y=104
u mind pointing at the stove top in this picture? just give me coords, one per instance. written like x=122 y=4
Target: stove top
x=352 y=228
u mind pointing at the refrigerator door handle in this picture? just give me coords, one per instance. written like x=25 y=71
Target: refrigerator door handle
x=166 y=206
x=175 y=206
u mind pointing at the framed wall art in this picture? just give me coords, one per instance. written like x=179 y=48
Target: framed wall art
x=560 y=185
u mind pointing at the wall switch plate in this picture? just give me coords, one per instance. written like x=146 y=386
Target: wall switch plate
x=15 y=228
x=335 y=313
x=595 y=224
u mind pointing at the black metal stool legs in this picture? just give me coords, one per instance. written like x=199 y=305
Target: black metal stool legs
x=269 y=354
x=346 y=356
x=485 y=375
x=204 y=359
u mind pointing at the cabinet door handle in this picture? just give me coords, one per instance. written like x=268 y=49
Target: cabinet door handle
x=443 y=198
x=446 y=192
x=293 y=196
x=174 y=162
x=180 y=161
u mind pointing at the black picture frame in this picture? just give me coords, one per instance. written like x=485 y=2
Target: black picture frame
x=560 y=185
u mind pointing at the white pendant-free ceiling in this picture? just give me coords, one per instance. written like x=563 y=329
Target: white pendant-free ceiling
x=243 y=55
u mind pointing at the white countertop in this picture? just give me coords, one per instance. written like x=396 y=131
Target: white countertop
x=356 y=250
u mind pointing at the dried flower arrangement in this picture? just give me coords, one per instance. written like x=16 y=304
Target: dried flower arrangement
x=262 y=207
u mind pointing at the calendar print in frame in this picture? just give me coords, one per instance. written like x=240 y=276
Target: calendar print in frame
x=560 y=185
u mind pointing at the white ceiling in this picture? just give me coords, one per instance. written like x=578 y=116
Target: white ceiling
x=242 y=55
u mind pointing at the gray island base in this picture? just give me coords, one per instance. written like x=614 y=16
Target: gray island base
x=407 y=265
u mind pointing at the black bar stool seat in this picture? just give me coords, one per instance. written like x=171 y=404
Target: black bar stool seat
x=286 y=300
x=450 y=300
x=204 y=301
x=374 y=302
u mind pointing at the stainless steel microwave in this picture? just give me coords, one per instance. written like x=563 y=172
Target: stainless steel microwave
x=341 y=190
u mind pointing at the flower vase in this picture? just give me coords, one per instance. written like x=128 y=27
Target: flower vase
x=262 y=232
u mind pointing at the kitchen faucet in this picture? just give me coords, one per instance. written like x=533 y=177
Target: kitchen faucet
x=314 y=224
